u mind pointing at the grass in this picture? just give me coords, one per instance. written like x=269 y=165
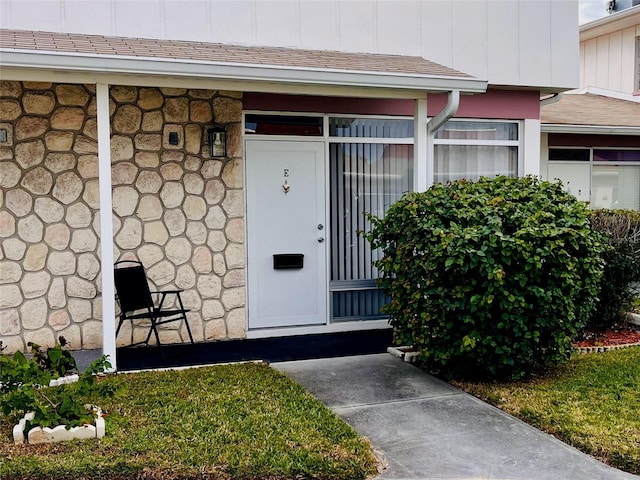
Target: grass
x=592 y=403
x=243 y=421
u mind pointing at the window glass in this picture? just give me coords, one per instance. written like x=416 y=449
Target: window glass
x=365 y=178
x=616 y=155
x=455 y=162
x=615 y=187
x=569 y=154
x=453 y=130
x=283 y=125
x=370 y=128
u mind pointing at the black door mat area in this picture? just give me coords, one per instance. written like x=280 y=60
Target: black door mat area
x=276 y=349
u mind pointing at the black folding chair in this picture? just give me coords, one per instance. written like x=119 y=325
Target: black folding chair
x=136 y=300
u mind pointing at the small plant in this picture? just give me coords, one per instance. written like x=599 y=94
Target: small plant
x=491 y=278
x=43 y=366
x=55 y=360
x=24 y=388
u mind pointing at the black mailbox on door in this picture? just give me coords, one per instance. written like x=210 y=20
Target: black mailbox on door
x=287 y=261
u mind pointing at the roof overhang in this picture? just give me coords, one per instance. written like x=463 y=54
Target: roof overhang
x=589 y=129
x=617 y=21
x=253 y=77
x=88 y=58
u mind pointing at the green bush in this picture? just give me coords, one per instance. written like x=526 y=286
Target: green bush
x=622 y=264
x=491 y=278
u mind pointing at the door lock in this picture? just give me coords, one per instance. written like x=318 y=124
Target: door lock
x=320 y=226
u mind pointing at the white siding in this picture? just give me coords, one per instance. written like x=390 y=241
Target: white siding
x=608 y=61
x=509 y=42
x=504 y=54
x=535 y=41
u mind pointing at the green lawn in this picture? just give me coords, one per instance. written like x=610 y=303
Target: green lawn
x=243 y=421
x=592 y=403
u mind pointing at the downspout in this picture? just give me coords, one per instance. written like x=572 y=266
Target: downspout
x=449 y=110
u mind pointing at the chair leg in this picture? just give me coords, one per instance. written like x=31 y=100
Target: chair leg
x=184 y=317
x=154 y=328
x=119 y=325
x=186 y=323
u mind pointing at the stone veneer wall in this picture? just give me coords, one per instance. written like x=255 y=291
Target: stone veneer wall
x=177 y=210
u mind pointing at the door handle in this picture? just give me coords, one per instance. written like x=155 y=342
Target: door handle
x=320 y=239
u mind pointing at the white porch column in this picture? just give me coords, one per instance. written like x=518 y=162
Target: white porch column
x=422 y=151
x=106 y=225
x=531 y=147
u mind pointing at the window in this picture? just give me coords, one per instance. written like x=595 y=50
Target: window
x=371 y=166
x=569 y=154
x=282 y=125
x=472 y=149
x=611 y=177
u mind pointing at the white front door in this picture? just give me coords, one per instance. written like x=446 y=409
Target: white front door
x=286 y=227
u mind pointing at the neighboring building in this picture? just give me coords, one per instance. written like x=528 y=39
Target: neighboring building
x=331 y=109
x=610 y=52
x=591 y=137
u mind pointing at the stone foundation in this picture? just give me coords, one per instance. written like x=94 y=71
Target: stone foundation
x=174 y=208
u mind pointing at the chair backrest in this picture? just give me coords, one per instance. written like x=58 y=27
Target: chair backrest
x=132 y=286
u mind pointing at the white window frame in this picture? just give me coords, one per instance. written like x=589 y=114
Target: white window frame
x=591 y=162
x=343 y=285
x=518 y=143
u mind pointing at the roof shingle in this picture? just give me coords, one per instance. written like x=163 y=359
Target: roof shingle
x=590 y=109
x=96 y=45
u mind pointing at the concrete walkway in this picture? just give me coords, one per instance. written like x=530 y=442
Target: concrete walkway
x=426 y=429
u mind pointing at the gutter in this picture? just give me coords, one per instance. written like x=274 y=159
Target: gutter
x=589 y=129
x=161 y=67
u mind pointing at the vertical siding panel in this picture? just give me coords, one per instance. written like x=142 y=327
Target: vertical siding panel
x=565 y=45
x=236 y=24
x=602 y=61
x=127 y=17
x=96 y=17
x=629 y=59
x=590 y=63
x=198 y=25
x=614 y=82
x=398 y=27
x=503 y=41
x=357 y=26
x=470 y=38
x=39 y=15
x=318 y=25
x=277 y=23
x=436 y=33
x=535 y=42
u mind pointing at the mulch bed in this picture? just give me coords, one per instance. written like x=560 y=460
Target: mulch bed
x=622 y=334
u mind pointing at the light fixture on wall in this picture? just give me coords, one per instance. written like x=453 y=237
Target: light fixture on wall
x=218 y=141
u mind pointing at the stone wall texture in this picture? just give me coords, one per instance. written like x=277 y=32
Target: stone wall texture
x=175 y=208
